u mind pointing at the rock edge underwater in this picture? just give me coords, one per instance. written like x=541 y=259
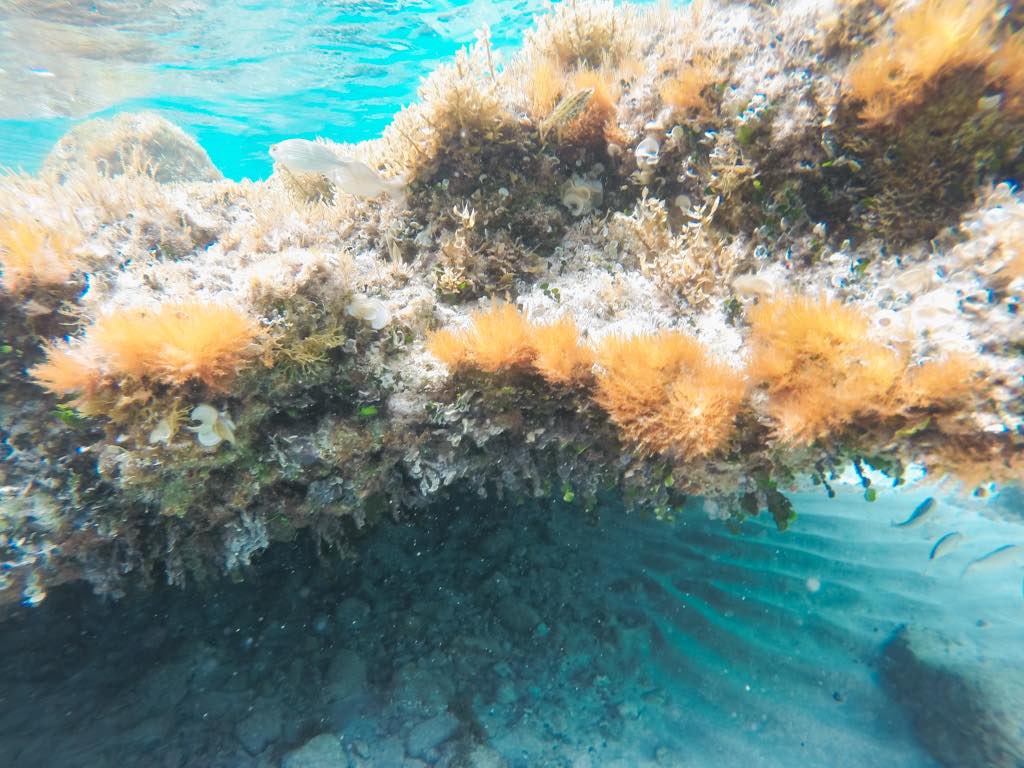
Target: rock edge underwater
x=722 y=251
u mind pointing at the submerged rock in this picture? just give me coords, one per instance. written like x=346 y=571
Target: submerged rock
x=127 y=142
x=965 y=708
x=261 y=728
x=323 y=751
x=430 y=734
x=346 y=676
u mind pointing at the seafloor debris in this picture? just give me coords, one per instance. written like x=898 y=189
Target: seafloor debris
x=728 y=259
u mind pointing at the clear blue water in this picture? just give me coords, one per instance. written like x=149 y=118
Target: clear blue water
x=555 y=641
x=237 y=75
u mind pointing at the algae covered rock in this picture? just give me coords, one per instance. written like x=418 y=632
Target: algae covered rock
x=133 y=141
x=967 y=709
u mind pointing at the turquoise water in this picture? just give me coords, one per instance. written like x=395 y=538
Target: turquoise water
x=239 y=76
x=474 y=634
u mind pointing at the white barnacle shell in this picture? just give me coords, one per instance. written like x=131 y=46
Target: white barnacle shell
x=581 y=196
x=162 y=432
x=916 y=279
x=759 y=285
x=373 y=312
x=214 y=426
x=647 y=152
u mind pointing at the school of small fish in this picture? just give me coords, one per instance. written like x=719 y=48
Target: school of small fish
x=1006 y=556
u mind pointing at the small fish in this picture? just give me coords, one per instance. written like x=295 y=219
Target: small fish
x=1008 y=554
x=921 y=511
x=350 y=176
x=566 y=111
x=946 y=544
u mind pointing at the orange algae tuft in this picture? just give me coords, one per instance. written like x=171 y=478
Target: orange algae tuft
x=666 y=394
x=68 y=370
x=560 y=358
x=33 y=254
x=818 y=365
x=499 y=338
x=686 y=91
x=949 y=381
x=176 y=342
x=450 y=347
x=172 y=344
x=931 y=39
x=822 y=371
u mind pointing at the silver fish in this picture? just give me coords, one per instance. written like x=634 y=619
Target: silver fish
x=1008 y=554
x=350 y=176
x=946 y=544
x=303 y=156
x=921 y=511
x=568 y=109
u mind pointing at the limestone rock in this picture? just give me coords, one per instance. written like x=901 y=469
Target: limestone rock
x=142 y=140
x=261 y=728
x=430 y=734
x=323 y=751
x=346 y=676
x=967 y=709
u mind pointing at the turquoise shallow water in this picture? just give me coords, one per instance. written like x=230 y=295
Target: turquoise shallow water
x=476 y=634
x=237 y=75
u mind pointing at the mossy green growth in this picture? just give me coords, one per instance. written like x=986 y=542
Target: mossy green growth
x=910 y=178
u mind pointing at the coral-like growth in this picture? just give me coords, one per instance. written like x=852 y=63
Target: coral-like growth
x=560 y=358
x=33 y=254
x=823 y=372
x=666 y=394
x=172 y=345
x=928 y=40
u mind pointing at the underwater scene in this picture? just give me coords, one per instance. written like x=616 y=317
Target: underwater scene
x=511 y=384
